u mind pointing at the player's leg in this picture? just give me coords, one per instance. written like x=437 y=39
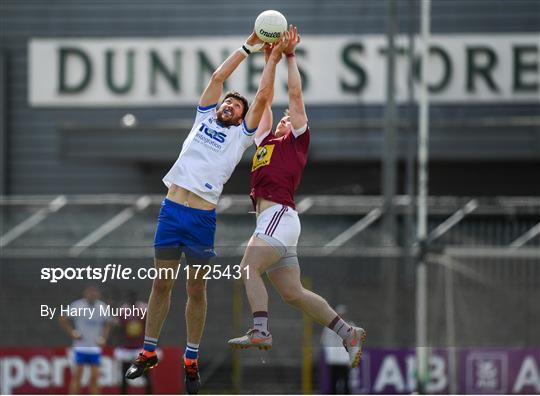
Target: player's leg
x=258 y=257
x=196 y=306
x=123 y=384
x=196 y=302
x=263 y=251
x=199 y=249
x=167 y=244
x=75 y=383
x=93 y=383
x=286 y=280
x=158 y=308
x=160 y=299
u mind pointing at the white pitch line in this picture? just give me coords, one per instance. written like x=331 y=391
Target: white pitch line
x=54 y=206
x=353 y=230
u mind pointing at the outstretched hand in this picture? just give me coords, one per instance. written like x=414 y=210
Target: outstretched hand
x=279 y=46
x=255 y=43
x=294 y=40
x=267 y=51
x=253 y=39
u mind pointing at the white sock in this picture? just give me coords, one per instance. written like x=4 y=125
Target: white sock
x=341 y=328
x=260 y=321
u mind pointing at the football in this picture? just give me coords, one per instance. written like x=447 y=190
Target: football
x=269 y=24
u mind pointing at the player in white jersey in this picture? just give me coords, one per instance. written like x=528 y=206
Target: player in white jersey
x=89 y=332
x=187 y=220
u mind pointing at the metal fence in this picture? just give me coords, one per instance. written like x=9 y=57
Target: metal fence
x=483 y=272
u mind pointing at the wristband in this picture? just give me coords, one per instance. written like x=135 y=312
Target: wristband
x=244 y=50
x=291 y=55
x=249 y=48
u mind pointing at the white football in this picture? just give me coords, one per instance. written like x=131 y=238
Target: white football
x=269 y=24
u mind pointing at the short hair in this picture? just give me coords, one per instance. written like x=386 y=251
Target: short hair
x=286 y=113
x=236 y=95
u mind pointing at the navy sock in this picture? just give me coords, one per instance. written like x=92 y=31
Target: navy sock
x=192 y=351
x=150 y=344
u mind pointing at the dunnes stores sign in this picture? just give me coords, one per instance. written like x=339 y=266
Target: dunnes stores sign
x=336 y=69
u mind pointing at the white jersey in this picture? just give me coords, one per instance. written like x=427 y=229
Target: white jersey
x=90 y=326
x=209 y=155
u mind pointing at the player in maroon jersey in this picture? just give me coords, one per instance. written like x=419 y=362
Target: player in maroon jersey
x=278 y=164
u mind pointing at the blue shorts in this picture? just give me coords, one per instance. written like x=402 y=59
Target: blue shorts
x=91 y=358
x=184 y=229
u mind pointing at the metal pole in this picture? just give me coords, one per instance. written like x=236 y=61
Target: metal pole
x=237 y=326
x=3 y=129
x=450 y=329
x=421 y=278
x=410 y=134
x=307 y=347
x=389 y=169
x=389 y=155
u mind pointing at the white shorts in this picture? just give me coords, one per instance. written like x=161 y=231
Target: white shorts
x=279 y=226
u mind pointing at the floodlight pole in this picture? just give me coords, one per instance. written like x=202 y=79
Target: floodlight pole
x=410 y=136
x=421 y=270
x=390 y=123
x=3 y=126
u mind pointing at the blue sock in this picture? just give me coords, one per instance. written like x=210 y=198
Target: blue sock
x=192 y=351
x=150 y=344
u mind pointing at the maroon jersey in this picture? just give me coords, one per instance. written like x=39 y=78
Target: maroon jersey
x=277 y=167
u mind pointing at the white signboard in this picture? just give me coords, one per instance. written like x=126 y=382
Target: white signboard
x=116 y=72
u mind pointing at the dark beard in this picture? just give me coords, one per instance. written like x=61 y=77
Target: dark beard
x=226 y=124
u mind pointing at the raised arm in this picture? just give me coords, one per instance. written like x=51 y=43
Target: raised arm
x=213 y=90
x=297 y=110
x=266 y=85
x=267 y=119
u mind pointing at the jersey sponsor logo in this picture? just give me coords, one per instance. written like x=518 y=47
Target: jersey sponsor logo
x=209 y=143
x=212 y=133
x=262 y=156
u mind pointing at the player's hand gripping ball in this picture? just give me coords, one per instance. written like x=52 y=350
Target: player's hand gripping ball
x=269 y=24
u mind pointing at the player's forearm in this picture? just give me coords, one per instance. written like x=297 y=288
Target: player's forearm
x=271 y=97
x=297 y=109
x=255 y=113
x=266 y=86
x=228 y=66
x=294 y=82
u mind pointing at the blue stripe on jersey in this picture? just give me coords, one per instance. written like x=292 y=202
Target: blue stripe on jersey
x=206 y=108
x=246 y=130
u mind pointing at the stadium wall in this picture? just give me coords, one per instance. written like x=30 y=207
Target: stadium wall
x=38 y=160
